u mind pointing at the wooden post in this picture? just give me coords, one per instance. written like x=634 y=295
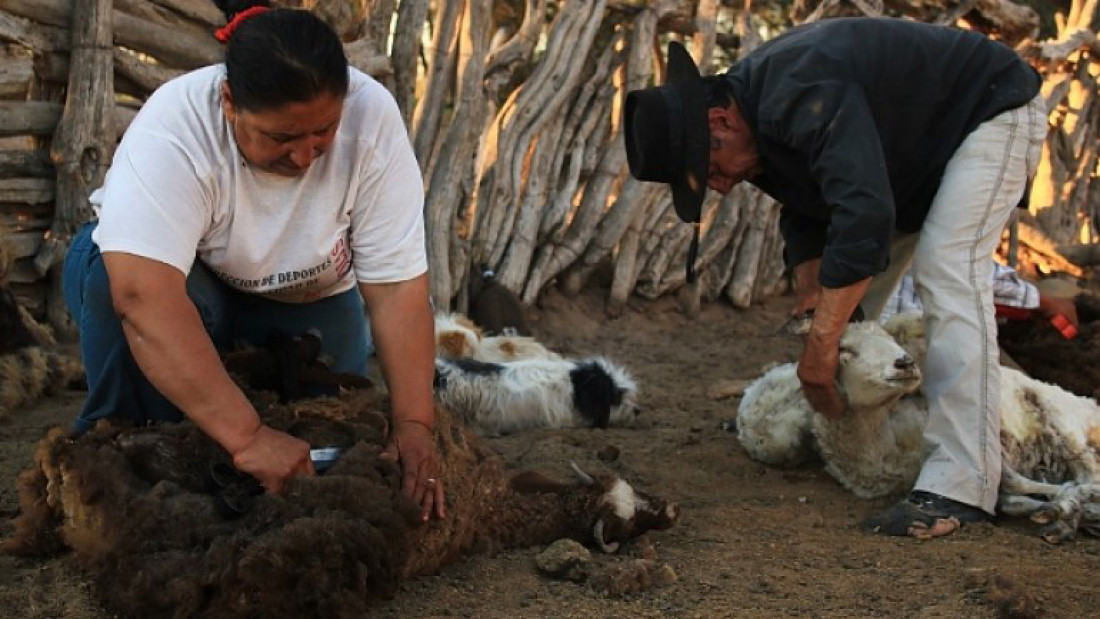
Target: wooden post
x=84 y=141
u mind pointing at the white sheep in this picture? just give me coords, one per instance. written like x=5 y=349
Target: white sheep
x=876 y=448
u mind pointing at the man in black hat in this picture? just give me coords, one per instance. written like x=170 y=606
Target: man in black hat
x=887 y=142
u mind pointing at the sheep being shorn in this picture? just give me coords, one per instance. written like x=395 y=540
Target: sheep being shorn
x=502 y=398
x=1049 y=436
x=166 y=533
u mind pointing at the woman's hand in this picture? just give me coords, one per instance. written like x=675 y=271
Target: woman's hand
x=273 y=457
x=412 y=446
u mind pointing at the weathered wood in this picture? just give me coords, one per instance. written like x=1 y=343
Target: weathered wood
x=377 y=25
x=1036 y=240
x=152 y=12
x=750 y=256
x=27 y=190
x=1082 y=255
x=30 y=34
x=706 y=24
x=26 y=218
x=439 y=75
x=84 y=141
x=554 y=139
x=29 y=117
x=668 y=254
x=503 y=61
x=133 y=76
x=16 y=73
x=455 y=163
x=625 y=275
x=363 y=56
x=518 y=122
x=612 y=164
x=405 y=53
x=23 y=272
x=23 y=244
x=29 y=162
x=202 y=11
x=180 y=49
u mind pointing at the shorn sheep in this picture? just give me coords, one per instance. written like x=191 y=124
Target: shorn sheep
x=30 y=364
x=507 y=383
x=1050 y=437
x=167 y=529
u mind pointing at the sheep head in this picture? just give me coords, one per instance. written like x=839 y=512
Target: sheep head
x=624 y=513
x=874 y=369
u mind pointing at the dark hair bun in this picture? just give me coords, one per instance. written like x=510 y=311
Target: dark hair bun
x=232 y=7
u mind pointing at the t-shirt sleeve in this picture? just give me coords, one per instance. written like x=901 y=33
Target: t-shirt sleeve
x=387 y=221
x=152 y=203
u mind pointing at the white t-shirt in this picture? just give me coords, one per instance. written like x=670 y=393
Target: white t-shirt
x=179 y=188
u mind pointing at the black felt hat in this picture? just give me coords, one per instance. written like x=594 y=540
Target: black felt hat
x=668 y=136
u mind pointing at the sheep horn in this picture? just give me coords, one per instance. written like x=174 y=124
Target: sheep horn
x=586 y=479
x=597 y=532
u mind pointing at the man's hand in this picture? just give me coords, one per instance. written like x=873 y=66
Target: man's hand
x=821 y=356
x=817 y=372
x=412 y=446
x=273 y=457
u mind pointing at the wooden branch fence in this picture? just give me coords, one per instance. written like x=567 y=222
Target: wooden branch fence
x=514 y=115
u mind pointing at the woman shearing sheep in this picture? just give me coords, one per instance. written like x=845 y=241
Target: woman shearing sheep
x=275 y=191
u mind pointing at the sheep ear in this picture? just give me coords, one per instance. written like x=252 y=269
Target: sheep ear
x=597 y=532
x=585 y=478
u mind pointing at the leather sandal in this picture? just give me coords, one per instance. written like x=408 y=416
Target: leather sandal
x=922 y=511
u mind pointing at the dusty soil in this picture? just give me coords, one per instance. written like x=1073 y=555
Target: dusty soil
x=753 y=542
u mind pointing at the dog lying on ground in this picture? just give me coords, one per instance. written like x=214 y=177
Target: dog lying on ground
x=457 y=337
x=501 y=384
x=501 y=398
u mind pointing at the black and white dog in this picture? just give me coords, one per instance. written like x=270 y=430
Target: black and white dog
x=501 y=398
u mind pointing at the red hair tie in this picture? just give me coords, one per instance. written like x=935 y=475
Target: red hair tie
x=222 y=34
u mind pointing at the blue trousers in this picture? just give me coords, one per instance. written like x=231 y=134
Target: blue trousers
x=116 y=385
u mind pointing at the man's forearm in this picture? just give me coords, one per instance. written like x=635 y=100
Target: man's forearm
x=807 y=290
x=834 y=309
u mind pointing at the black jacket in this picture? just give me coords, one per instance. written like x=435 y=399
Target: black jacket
x=855 y=121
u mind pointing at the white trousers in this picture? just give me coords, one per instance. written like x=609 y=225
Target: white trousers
x=951 y=259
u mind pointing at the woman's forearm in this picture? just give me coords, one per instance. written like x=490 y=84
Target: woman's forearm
x=174 y=352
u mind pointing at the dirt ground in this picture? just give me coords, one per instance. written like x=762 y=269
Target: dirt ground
x=752 y=542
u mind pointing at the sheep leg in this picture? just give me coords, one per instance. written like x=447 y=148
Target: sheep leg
x=1090 y=519
x=1017 y=505
x=1059 y=531
x=1060 y=515
x=1013 y=483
